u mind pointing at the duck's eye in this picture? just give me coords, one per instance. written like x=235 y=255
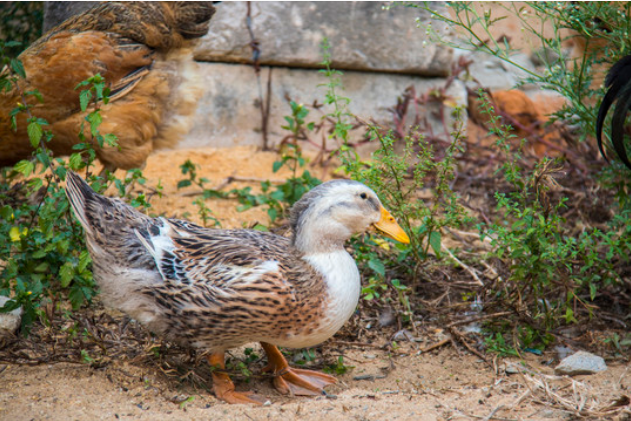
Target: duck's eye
x=363 y=196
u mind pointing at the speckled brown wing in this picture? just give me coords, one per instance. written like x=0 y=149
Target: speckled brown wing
x=224 y=288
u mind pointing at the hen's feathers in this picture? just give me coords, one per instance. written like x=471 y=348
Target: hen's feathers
x=159 y=25
x=618 y=82
x=131 y=45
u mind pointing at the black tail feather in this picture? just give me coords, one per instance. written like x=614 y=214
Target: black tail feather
x=618 y=81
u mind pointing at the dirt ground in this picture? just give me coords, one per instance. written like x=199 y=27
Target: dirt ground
x=386 y=382
x=441 y=385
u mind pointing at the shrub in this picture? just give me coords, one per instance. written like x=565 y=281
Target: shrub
x=44 y=260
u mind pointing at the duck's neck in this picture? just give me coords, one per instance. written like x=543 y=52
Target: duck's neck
x=321 y=239
x=322 y=247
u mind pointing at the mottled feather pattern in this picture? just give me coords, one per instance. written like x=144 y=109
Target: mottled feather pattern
x=236 y=281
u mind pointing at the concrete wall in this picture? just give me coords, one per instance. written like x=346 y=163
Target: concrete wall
x=380 y=51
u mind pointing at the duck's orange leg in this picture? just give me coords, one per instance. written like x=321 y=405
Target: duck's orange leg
x=294 y=381
x=223 y=386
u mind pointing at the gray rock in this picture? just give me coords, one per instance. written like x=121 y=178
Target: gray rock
x=362 y=35
x=228 y=113
x=9 y=322
x=510 y=369
x=56 y=12
x=580 y=363
x=403 y=335
x=563 y=351
x=494 y=73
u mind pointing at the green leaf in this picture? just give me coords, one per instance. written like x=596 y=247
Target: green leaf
x=377 y=266
x=110 y=139
x=75 y=162
x=277 y=165
x=35 y=183
x=42 y=267
x=18 y=67
x=66 y=272
x=24 y=167
x=76 y=297
x=9 y=306
x=39 y=254
x=6 y=212
x=84 y=259
x=84 y=99
x=434 y=241
x=95 y=120
x=183 y=183
x=273 y=214
x=34 y=131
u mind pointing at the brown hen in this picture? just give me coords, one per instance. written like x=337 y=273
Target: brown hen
x=142 y=49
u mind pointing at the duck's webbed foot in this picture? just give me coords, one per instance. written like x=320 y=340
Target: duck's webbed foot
x=294 y=381
x=223 y=386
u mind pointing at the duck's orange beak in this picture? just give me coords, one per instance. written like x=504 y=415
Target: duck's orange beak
x=388 y=226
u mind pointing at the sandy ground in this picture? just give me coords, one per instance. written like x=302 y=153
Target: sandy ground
x=440 y=385
x=395 y=384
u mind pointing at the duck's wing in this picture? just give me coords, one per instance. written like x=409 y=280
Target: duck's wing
x=209 y=268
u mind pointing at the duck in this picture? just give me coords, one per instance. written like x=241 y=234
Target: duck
x=217 y=289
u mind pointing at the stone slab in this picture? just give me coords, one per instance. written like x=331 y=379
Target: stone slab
x=56 y=12
x=363 y=36
x=228 y=112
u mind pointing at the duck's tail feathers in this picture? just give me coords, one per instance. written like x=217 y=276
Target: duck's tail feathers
x=81 y=196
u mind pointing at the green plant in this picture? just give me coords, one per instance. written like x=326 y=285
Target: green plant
x=305 y=356
x=551 y=272
x=338 y=367
x=204 y=212
x=278 y=198
x=572 y=77
x=242 y=366
x=21 y=23
x=42 y=250
x=496 y=342
x=185 y=402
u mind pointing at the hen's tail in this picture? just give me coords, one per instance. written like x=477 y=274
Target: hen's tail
x=192 y=17
x=161 y=25
x=618 y=81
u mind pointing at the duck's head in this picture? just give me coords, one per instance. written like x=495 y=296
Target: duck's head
x=329 y=214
